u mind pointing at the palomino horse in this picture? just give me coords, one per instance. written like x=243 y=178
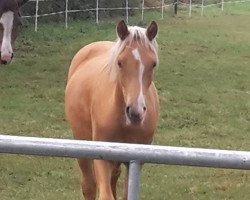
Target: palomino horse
x=110 y=96
x=9 y=23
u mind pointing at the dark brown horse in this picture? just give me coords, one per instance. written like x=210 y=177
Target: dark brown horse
x=9 y=23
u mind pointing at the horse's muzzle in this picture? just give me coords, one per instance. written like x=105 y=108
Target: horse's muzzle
x=134 y=116
x=6 y=60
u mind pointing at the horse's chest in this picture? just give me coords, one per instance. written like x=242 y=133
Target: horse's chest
x=120 y=133
x=137 y=136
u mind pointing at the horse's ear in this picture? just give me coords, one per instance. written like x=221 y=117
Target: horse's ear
x=152 y=30
x=21 y=2
x=122 y=30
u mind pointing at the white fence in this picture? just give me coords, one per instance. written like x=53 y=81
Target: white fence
x=135 y=154
x=162 y=6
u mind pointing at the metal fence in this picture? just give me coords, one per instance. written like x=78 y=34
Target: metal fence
x=135 y=154
x=162 y=6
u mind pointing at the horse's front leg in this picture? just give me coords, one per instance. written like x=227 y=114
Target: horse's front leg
x=115 y=176
x=125 y=195
x=103 y=173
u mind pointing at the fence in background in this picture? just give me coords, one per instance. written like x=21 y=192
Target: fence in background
x=142 y=7
x=135 y=154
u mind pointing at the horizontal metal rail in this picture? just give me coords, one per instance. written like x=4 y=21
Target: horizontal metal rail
x=125 y=152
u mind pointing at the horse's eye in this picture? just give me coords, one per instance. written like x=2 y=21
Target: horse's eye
x=119 y=63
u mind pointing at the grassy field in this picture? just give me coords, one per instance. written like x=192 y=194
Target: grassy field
x=204 y=74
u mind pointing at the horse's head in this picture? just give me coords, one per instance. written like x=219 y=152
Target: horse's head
x=135 y=61
x=9 y=24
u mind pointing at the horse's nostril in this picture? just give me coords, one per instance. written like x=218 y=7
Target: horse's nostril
x=144 y=108
x=3 y=62
x=127 y=109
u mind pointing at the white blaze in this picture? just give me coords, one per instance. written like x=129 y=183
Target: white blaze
x=141 y=99
x=7 y=21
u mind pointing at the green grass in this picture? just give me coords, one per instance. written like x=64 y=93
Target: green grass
x=204 y=75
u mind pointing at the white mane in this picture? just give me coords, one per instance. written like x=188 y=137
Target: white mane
x=135 y=33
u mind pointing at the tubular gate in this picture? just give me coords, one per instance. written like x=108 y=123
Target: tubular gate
x=135 y=154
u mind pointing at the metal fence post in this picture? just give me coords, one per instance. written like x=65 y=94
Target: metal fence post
x=162 y=8
x=134 y=180
x=190 y=8
x=66 y=14
x=127 y=11
x=97 y=11
x=37 y=1
x=142 y=10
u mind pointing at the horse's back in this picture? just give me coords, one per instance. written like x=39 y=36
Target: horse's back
x=90 y=51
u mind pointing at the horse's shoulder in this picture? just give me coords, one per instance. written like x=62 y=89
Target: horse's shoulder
x=89 y=52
